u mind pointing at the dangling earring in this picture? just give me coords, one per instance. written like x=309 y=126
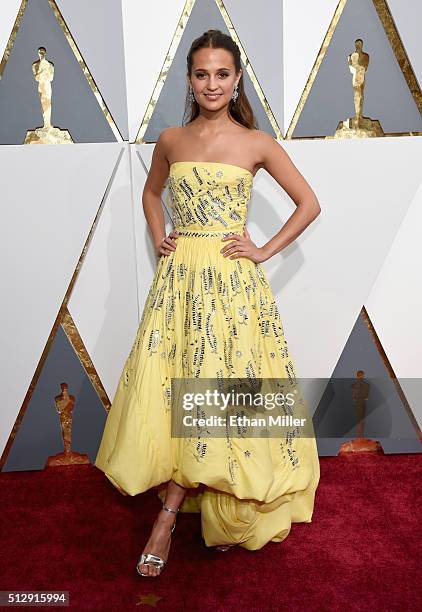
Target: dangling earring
x=191 y=97
x=235 y=93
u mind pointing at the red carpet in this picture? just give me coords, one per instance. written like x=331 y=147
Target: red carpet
x=68 y=528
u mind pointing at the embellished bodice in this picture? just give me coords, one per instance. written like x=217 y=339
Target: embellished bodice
x=209 y=196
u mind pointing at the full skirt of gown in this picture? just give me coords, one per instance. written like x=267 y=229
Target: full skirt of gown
x=208 y=316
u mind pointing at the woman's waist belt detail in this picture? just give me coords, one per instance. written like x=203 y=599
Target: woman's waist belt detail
x=205 y=233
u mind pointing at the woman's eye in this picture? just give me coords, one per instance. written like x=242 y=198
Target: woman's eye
x=200 y=75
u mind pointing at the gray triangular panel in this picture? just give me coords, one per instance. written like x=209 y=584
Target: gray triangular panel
x=387 y=96
x=386 y=419
x=39 y=435
x=170 y=105
x=74 y=106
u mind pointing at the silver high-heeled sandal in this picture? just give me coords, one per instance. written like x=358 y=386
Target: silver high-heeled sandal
x=155 y=560
x=224 y=547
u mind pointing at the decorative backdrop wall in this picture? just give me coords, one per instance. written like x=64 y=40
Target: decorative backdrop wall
x=105 y=77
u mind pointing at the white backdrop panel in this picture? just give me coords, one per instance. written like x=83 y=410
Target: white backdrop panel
x=395 y=302
x=50 y=196
x=323 y=279
x=104 y=301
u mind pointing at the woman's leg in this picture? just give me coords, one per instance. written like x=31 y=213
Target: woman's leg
x=160 y=537
x=174 y=495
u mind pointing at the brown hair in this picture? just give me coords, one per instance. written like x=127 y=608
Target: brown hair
x=240 y=109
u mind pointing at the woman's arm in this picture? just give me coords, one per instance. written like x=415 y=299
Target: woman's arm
x=151 y=197
x=277 y=162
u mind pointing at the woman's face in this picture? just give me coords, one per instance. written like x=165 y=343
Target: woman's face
x=213 y=77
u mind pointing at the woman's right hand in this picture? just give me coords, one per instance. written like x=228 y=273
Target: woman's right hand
x=168 y=244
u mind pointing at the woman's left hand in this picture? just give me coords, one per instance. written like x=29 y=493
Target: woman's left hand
x=242 y=246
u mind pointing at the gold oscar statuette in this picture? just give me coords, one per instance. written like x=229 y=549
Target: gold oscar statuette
x=64 y=406
x=43 y=71
x=358 y=126
x=360 y=393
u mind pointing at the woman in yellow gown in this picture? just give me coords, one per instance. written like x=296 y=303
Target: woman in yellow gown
x=210 y=313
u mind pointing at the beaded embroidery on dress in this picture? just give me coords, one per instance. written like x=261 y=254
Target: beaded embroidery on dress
x=208 y=316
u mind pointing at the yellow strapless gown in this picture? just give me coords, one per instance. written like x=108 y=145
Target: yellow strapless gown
x=208 y=316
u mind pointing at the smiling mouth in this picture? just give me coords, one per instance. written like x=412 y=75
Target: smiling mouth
x=212 y=96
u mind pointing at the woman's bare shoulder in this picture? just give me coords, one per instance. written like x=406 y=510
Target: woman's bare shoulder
x=260 y=138
x=170 y=134
x=169 y=139
x=258 y=143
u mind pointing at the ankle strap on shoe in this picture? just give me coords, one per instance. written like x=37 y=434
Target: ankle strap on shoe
x=170 y=509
